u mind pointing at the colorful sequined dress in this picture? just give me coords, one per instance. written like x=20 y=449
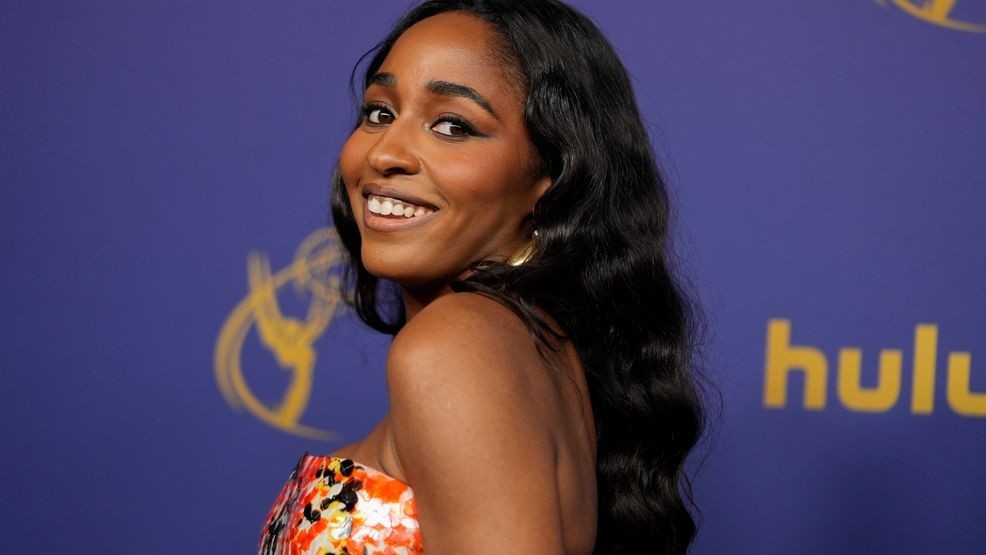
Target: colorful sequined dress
x=337 y=506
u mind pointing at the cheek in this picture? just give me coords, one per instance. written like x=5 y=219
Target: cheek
x=350 y=160
x=482 y=176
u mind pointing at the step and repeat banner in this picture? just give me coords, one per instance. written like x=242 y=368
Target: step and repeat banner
x=173 y=342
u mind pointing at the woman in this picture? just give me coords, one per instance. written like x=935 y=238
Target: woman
x=541 y=393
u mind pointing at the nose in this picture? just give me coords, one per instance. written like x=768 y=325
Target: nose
x=394 y=153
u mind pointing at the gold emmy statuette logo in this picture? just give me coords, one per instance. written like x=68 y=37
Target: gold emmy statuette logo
x=289 y=339
x=937 y=12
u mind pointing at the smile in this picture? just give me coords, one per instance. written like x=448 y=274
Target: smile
x=387 y=206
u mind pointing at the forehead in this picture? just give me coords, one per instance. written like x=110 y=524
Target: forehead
x=453 y=47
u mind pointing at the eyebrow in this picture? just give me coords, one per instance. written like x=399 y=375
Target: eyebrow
x=443 y=88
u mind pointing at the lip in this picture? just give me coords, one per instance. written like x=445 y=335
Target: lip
x=376 y=222
x=395 y=193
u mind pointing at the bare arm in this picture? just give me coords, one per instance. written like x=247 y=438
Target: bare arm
x=472 y=416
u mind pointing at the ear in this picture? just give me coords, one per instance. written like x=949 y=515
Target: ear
x=541 y=186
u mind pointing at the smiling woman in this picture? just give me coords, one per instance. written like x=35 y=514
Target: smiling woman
x=501 y=183
x=445 y=133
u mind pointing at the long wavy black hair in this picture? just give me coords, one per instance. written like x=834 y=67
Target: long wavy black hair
x=600 y=266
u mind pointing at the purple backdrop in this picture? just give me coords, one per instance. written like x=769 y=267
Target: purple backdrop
x=828 y=159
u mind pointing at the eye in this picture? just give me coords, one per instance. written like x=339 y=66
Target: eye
x=451 y=126
x=377 y=114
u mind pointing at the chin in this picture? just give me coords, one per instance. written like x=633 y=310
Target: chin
x=384 y=264
x=411 y=276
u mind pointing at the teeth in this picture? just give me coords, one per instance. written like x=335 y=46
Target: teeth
x=386 y=206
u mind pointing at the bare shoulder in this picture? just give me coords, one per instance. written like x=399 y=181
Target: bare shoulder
x=464 y=325
x=467 y=348
x=471 y=401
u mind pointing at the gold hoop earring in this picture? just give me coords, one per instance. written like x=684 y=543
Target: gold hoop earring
x=524 y=253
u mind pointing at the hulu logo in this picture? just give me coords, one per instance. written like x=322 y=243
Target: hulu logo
x=783 y=358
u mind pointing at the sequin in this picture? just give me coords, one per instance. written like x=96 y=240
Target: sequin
x=334 y=506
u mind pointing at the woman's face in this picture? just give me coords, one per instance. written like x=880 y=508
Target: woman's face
x=441 y=172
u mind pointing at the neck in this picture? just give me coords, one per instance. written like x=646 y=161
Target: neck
x=417 y=299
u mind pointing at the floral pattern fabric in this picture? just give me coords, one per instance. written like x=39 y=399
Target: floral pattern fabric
x=333 y=506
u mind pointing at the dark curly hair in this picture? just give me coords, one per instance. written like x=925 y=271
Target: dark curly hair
x=600 y=266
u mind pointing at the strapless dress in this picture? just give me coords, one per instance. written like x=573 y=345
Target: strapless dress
x=338 y=506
